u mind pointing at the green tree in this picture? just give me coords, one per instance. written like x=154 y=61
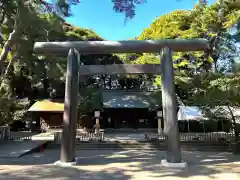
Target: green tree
x=218 y=94
x=202 y=21
x=17 y=17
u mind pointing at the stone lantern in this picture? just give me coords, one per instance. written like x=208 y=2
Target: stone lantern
x=97 y=125
x=159 y=118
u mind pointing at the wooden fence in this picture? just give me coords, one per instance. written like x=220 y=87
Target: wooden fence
x=7 y=135
x=210 y=136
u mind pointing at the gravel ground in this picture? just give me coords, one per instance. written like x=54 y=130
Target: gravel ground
x=120 y=165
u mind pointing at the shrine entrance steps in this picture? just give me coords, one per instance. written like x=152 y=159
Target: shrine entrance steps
x=146 y=144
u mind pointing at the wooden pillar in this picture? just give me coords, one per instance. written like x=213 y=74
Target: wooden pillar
x=171 y=131
x=70 y=108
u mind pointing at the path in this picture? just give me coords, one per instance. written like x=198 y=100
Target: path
x=121 y=165
x=17 y=148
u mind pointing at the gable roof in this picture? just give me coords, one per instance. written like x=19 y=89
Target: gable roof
x=47 y=106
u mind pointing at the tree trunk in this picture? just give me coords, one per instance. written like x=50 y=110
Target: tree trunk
x=6 y=48
x=110 y=82
x=104 y=81
x=236 y=133
x=6 y=71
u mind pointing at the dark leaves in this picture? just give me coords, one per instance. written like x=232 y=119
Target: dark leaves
x=127 y=7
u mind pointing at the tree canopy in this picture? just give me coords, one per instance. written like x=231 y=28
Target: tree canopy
x=26 y=77
x=210 y=78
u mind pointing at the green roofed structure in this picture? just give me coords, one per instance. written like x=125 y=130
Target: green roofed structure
x=129 y=109
x=129 y=99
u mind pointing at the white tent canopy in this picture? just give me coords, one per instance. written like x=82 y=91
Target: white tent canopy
x=188 y=113
x=195 y=113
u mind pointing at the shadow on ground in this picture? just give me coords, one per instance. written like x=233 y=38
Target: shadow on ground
x=121 y=164
x=54 y=172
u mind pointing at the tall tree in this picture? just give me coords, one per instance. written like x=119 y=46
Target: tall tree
x=19 y=16
x=203 y=21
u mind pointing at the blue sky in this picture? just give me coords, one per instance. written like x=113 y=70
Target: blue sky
x=99 y=16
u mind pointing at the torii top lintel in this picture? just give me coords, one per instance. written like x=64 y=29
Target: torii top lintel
x=130 y=46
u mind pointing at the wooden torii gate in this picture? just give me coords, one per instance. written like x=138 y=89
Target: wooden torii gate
x=75 y=70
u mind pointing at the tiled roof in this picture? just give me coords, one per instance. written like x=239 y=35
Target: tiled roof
x=124 y=99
